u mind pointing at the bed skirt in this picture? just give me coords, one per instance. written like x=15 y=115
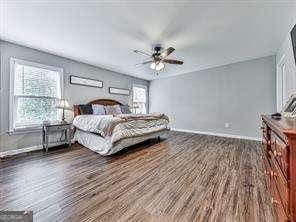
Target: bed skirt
x=104 y=147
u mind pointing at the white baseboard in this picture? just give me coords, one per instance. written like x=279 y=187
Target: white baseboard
x=33 y=148
x=24 y=150
x=18 y=151
x=217 y=134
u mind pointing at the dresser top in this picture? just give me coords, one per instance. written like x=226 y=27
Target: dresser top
x=287 y=125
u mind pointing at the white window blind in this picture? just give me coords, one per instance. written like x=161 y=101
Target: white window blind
x=140 y=99
x=36 y=89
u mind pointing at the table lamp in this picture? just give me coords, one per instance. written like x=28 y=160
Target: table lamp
x=64 y=105
x=134 y=106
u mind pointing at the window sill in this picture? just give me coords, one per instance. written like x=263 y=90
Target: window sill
x=28 y=129
x=25 y=130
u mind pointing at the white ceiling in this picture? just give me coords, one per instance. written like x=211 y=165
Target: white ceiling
x=204 y=33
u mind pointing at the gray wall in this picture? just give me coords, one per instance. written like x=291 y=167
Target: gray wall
x=75 y=94
x=205 y=100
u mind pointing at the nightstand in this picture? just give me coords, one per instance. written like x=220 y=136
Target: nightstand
x=65 y=128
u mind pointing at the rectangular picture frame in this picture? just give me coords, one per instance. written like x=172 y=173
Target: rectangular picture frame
x=289 y=110
x=119 y=91
x=82 y=81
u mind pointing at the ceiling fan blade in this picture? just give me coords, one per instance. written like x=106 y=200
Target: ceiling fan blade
x=143 y=63
x=172 y=61
x=166 y=52
x=142 y=53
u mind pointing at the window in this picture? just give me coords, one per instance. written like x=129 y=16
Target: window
x=35 y=89
x=139 y=99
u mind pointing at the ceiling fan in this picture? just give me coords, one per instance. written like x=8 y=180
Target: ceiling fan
x=158 y=58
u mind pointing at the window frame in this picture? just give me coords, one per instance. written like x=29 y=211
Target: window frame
x=146 y=89
x=12 y=105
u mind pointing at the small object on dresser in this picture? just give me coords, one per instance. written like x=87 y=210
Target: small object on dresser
x=276 y=116
x=64 y=128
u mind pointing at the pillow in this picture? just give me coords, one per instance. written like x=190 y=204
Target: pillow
x=125 y=109
x=98 y=109
x=85 y=109
x=112 y=110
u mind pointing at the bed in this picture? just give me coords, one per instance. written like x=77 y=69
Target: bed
x=108 y=134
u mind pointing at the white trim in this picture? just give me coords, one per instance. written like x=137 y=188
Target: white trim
x=11 y=92
x=12 y=110
x=279 y=83
x=25 y=130
x=1 y=67
x=36 y=64
x=18 y=151
x=140 y=85
x=214 y=66
x=27 y=149
x=217 y=134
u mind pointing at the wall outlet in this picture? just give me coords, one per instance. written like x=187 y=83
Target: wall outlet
x=227 y=125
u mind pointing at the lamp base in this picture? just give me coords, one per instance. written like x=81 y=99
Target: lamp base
x=63 y=118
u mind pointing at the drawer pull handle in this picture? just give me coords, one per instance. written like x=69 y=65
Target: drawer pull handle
x=275 y=153
x=273 y=174
x=264 y=142
x=274 y=201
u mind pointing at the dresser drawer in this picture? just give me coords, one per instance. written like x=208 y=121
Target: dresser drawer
x=264 y=129
x=282 y=158
x=267 y=171
x=54 y=128
x=264 y=146
x=280 y=213
x=278 y=179
x=280 y=152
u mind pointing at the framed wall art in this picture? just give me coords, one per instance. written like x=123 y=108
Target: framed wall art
x=289 y=109
x=119 y=91
x=76 y=80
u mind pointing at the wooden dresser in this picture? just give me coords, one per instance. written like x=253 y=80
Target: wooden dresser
x=279 y=158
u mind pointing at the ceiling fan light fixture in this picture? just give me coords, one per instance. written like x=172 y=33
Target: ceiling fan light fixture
x=157 y=66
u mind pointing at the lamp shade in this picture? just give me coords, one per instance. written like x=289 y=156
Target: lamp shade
x=63 y=104
x=157 y=66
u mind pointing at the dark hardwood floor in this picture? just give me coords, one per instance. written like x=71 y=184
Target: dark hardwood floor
x=186 y=177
